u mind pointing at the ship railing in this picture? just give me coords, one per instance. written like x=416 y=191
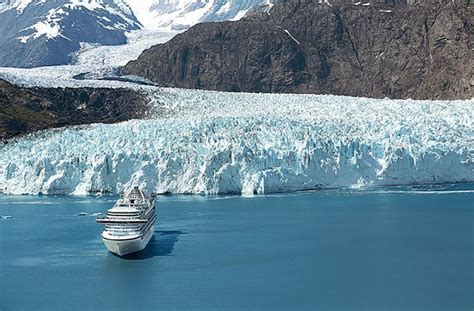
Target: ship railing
x=121 y=231
x=105 y=220
x=130 y=205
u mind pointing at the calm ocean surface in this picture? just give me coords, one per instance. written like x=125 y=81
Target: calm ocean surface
x=385 y=249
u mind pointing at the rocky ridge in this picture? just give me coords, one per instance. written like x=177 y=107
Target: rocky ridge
x=26 y=110
x=395 y=49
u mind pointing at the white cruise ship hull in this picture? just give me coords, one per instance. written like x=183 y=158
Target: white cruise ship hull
x=124 y=247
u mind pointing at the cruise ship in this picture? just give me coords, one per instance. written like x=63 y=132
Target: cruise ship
x=130 y=224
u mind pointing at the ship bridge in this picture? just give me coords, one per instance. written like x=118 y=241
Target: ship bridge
x=135 y=196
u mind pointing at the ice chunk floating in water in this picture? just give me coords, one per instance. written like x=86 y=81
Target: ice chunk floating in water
x=215 y=143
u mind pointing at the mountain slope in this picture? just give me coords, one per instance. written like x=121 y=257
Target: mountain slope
x=38 y=33
x=386 y=48
x=182 y=14
x=26 y=110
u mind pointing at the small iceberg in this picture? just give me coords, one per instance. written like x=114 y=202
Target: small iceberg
x=95 y=214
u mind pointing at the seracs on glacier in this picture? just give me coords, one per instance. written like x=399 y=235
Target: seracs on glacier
x=204 y=142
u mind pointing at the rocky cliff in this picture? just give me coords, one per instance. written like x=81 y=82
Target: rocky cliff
x=391 y=48
x=26 y=110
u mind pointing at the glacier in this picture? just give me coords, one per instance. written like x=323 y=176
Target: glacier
x=204 y=142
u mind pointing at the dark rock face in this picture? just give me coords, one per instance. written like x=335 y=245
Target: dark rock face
x=386 y=49
x=63 y=27
x=26 y=110
x=272 y=59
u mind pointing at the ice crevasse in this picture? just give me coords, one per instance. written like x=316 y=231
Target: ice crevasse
x=200 y=142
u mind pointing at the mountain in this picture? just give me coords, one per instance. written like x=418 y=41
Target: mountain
x=182 y=14
x=26 y=110
x=391 y=48
x=38 y=32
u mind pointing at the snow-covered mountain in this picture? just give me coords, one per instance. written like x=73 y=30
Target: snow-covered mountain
x=38 y=32
x=215 y=143
x=182 y=14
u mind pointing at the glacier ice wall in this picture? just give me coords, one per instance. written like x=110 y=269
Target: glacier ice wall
x=214 y=143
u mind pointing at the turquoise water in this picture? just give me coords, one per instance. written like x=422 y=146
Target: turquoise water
x=387 y=249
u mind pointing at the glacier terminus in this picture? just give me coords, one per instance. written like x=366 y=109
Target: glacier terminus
x=206 y=142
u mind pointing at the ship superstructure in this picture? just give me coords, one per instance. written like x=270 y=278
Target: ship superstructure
x=130 y=224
